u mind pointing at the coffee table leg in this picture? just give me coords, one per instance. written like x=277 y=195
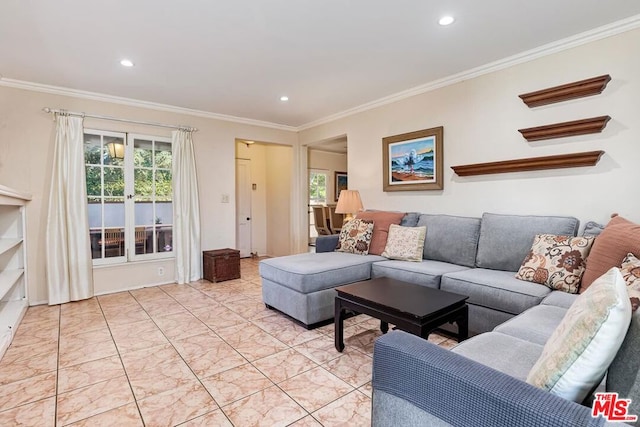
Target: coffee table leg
x=384 y=327
x=338 y=321
x=463 y=324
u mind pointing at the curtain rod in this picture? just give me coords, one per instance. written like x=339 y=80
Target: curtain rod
x=116 y=119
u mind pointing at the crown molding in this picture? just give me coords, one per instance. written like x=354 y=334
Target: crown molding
x=75 y=93
x=599 y=33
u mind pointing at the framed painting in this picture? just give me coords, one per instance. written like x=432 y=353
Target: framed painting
x=413 y=161
x=340 y=179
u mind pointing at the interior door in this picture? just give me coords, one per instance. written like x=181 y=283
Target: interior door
x=243 y=207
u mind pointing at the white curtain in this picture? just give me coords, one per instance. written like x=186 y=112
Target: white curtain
x=68 y=262
x=186 y=209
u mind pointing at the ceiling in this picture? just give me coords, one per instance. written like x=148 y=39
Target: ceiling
x=238 y=57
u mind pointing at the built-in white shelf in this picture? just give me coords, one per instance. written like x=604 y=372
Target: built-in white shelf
x=14 y=300
x=8 y=244
x=12 y=314
x=8 y=278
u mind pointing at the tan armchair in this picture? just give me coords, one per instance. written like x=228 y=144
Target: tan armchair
x=321 y=219
x=335 y=220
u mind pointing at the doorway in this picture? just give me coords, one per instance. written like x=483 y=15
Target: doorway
x=324 y=160
x=318 y=181
x=264 y=173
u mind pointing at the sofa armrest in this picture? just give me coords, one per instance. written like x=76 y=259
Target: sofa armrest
x=326 y=243
x=462 y=392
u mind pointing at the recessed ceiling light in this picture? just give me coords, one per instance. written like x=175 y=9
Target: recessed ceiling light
x=284 y=98
x=446 y=20
x=126 y=63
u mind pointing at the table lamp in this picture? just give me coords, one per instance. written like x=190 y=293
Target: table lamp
x=349 y=203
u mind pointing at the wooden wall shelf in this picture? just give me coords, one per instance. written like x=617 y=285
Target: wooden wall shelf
x=588 y=87
x=589 y=158
x=562 y=130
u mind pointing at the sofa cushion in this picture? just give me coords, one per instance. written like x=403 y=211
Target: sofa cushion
x=581 y=348
x=505 y=353
x=505 y=240
x=426 y=272
x=559 y=299
x=498 y=290
x=405 y=243
x=618 y=238
x=534 y=325
x=311 y=272
x=592 y=228
x=355 y=237
x=452 y=239
x=381 y=222
x=630 y=269
x=556 y=261
x=410 y=219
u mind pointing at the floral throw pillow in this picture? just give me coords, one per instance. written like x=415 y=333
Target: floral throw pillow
x=405 y=243
x=355 y=237
x=630 y=270
x=556 y=261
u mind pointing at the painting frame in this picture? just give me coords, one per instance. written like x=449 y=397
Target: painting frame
x=413 y=161
x=340 y=182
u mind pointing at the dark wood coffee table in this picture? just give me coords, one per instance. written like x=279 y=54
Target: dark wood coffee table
x=412 y=308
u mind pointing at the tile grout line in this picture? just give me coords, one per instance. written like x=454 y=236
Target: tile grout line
x=182 y=301
x=178 y=352
x=121 y=363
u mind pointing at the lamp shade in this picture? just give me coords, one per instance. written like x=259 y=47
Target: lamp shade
x=349 y=202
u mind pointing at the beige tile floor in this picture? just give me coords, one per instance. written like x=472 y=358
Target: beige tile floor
x=203 y=354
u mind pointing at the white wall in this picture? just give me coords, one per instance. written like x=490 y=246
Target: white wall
x=26 y=149
x=481 y=117
x=279 y=201
x=330 y=162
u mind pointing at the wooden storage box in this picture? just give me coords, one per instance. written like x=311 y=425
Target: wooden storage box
x=221 y=264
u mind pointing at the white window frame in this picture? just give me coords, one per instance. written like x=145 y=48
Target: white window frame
x=129 y=202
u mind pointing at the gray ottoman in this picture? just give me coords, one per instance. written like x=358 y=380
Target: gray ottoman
x=301 y=286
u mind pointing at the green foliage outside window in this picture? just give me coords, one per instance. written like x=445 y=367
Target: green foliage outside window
x=143 y=174
x=317 y=188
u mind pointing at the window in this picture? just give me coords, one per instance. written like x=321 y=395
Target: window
x=317 y=187
x=129 y=196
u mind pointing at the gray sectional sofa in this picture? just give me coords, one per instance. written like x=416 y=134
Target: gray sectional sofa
x=481 y=382
x=477 y=257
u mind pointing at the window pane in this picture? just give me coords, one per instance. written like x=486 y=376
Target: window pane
x=144 y=213
x=113 y=242
x=114 y=212
x=92 y=149
x=163 y=186
x=142 y=153
x=164 y=235
x=113 y=181
x=163 y=155
x=143 y=183
x=95 y=225
x=113 y=151
x=144 y=243
x=164 y=213
x=94 y=184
